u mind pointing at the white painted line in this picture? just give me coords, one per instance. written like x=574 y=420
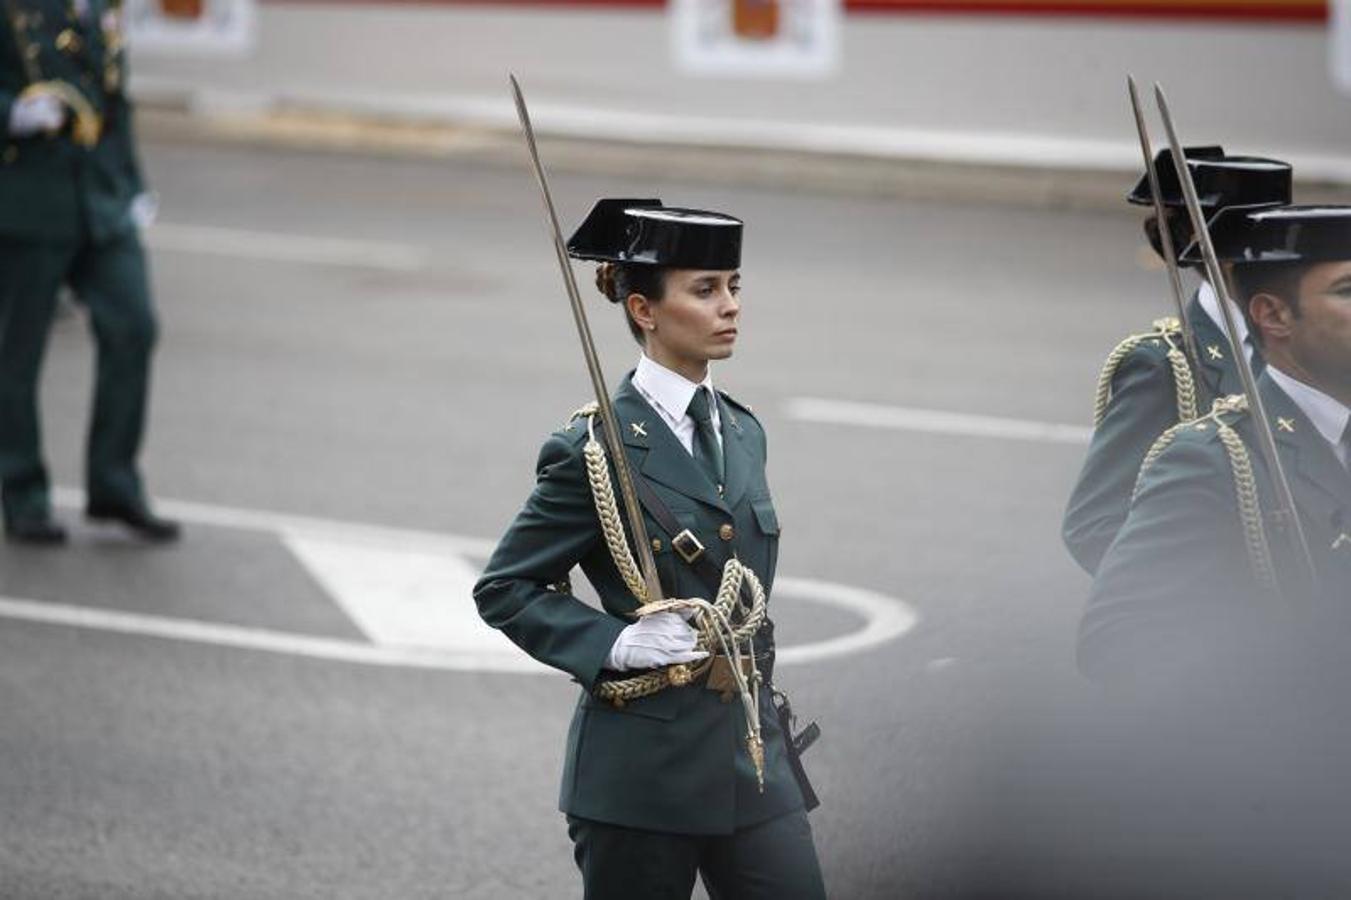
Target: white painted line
x=410 y=593
x=932 y=421
x=276 y=247
x=401 y=597
x=887 y=618
x=891 y=619
x=265 y=640
x=288 y=525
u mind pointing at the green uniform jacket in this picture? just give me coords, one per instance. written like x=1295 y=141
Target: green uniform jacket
x=1176 y=590
x=1143 y=406
x=675 y=761
x=50 y=187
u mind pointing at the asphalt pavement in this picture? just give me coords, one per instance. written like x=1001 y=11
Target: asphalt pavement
x=359 y=360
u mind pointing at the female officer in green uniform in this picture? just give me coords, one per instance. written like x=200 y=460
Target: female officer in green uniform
x=660 y=783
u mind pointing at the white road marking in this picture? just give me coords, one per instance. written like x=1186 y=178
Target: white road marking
x=288 y=525
x=279 y=247
x=887 y=618
x=401 y=597
x=932 y=421
x=234 y=636
x=409 y=592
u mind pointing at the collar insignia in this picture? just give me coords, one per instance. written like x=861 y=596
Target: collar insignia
x=1286 y=425
x=639 y=429
x=1214 y=351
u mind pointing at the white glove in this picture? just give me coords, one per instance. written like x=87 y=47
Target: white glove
x=144 y=209
x=661 y=639
x=40 y=113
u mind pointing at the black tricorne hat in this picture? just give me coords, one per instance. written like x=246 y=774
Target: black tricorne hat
x=646 y=232
x=1278 y=234
x=1220 y=180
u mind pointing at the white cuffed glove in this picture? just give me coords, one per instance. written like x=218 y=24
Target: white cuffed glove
x=144 y=209
x=661 y=639
x=31 y=115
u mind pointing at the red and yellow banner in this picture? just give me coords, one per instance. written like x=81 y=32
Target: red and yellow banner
x=1313 y=11
x=1288 y=10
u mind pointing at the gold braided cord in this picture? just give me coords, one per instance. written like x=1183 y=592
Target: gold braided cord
x=1245 y=483
x=743 y=618
x=1166 y=330
x=611 y=525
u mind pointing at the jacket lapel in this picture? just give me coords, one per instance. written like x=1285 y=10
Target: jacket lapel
x=665 y=461
x=1212 y=349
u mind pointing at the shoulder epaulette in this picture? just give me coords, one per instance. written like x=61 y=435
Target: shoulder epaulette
x=1166 y=332
x=750 y=410
x=1224 y=414
x=582 y=412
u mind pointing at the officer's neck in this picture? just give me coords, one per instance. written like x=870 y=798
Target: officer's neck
x=1281 y=358
x=692 y=369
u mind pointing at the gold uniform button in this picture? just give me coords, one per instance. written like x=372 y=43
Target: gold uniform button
x=656 y=545
x=68 y=41
x=726 y=532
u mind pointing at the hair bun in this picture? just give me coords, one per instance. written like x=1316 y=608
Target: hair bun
x=605 y=281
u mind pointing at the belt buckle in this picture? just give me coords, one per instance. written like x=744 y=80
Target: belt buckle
x=688 y=546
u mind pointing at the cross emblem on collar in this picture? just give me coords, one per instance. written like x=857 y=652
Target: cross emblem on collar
x=1286 y=425
x=639 y=429
x=1214 y=352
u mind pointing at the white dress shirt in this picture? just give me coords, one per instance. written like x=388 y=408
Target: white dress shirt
x=1210 y=302
x=670 y=394
x=1327 y=414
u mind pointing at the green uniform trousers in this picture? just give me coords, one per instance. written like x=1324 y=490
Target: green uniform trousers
x=771 y=860
x=110 y=279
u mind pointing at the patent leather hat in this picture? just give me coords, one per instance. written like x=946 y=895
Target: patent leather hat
x=643 y=231
x=1279 y=234
x=1220 y=180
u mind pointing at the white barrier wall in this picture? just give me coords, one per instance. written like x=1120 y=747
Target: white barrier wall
x=1020 y=90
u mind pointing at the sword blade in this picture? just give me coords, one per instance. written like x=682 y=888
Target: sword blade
x=1285 y=499
x=614 y=443
x=1165 y=235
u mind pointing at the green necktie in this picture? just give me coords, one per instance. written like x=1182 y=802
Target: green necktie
x=706 y=450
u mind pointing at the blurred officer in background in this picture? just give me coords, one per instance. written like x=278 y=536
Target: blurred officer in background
x=71 y=202
x=1202 y=578
x=1148 y=383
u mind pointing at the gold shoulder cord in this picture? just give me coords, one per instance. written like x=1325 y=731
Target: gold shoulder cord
x=1167 y=330
x=1245 y=483
x=726 y=625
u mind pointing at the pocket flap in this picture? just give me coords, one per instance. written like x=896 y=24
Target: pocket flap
x=765 y=515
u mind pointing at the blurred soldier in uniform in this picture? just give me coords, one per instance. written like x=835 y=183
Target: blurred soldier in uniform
x=73 y=199
x=1201 y=580
x=659 y=785
x=1149 y=383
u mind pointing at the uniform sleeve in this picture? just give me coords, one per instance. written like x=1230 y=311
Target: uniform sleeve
x=1174 y=596
x=552 y=533
x=1143 y=406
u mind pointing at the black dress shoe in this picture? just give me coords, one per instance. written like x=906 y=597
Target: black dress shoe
x=139 y=519
x=45 y=532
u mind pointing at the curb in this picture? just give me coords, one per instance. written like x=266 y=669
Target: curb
x=920 y=166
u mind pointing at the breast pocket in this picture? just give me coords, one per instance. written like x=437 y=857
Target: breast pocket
x=767 y=520
x=670 y=565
